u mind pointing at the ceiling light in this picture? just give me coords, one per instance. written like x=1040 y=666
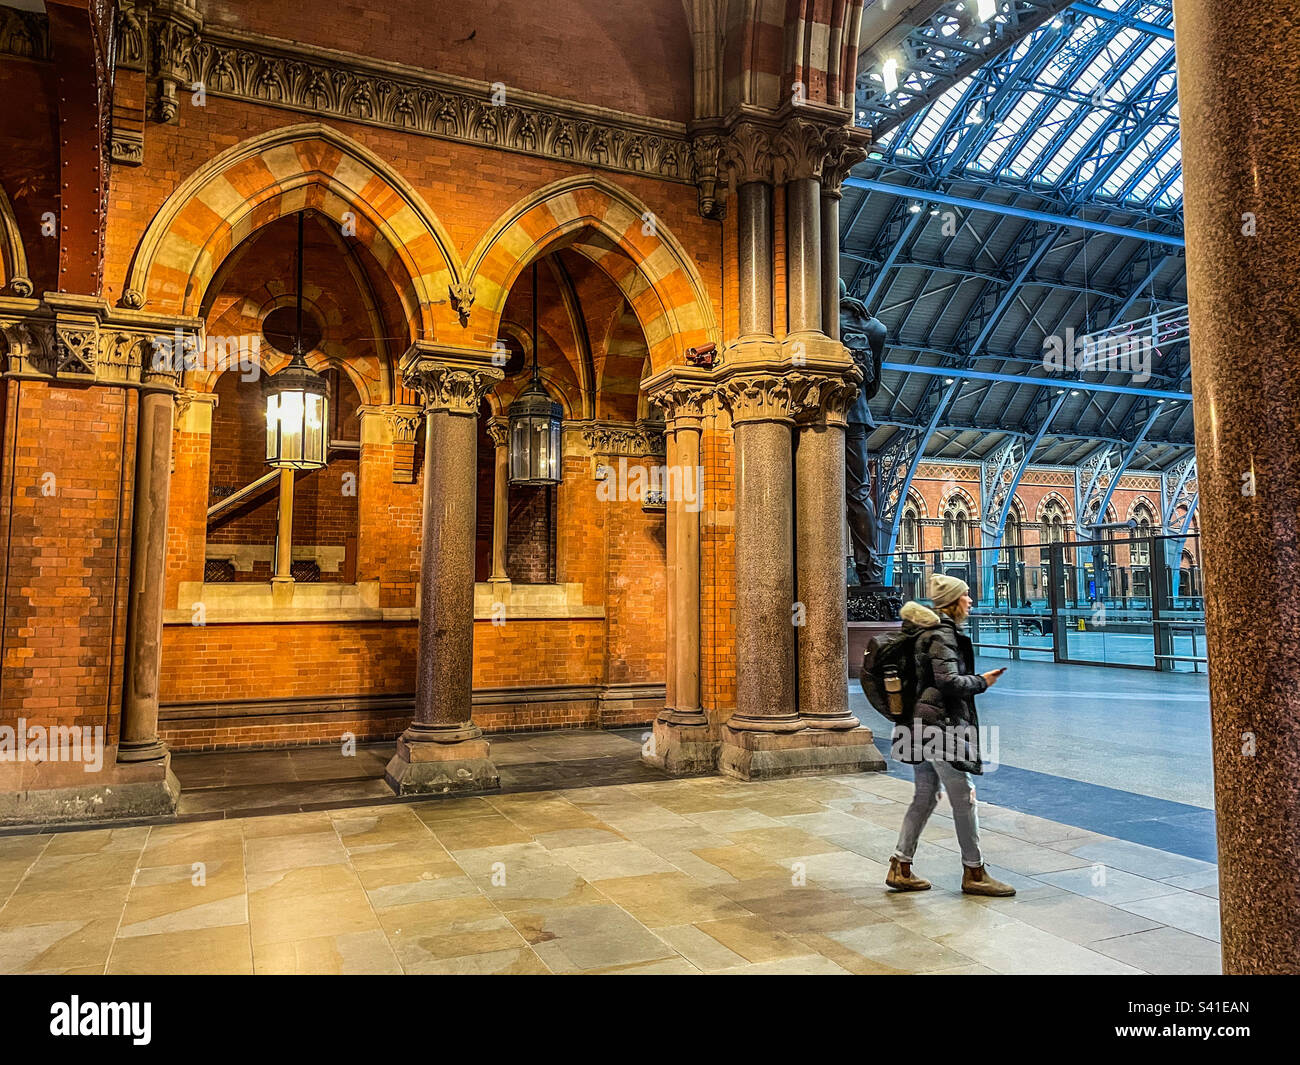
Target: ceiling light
x=889 y=74
x=985 y=9
x=915 y=208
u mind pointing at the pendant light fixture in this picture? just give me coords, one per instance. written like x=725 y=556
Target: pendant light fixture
x=297 y=403
x=536 y=421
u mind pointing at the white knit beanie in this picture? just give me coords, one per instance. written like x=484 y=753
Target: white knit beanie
x=945 y=590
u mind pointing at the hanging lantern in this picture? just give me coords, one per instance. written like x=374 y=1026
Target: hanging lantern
x=536 y=422
x=297 y=417
x=297 y=404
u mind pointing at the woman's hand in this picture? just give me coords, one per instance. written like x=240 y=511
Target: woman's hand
x=991 y=677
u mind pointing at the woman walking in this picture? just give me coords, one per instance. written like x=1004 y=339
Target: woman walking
x=946 y=686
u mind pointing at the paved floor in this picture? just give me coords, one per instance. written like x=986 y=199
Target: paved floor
x=1098 y=810
x=674 y=876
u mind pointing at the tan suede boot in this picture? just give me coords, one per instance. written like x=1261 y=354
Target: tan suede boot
x=901 y=880
x=978 y=882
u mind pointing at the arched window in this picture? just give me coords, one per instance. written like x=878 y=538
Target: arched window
x=956 y=520
x=1011 y=535
x=1140 y=549
x=909 y=535
x=1054 y=522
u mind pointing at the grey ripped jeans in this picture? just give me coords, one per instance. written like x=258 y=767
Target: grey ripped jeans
x=961 y=796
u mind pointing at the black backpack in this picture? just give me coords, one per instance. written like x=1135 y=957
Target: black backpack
x=889 y=674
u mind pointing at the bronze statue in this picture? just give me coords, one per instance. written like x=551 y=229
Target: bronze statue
x=864 y=336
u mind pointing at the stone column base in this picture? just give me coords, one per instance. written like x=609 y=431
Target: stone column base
x=54 y=794
x=431 y=768
x=683 y=750
x=809 y=752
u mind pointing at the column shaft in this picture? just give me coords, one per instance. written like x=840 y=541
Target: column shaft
x=671 y=581
x=444 y=670
x=284 y=530
x=765 y=656
x=1239 y=97
x=140 y=740
x=754 y=221
x=819 y=523
x=830 y=266
x=686 y=537
x=500 y=505
x=803 y=271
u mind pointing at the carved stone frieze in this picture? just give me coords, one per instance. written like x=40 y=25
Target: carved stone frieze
x=283 y=74
x=126 y=147
x=616 y=438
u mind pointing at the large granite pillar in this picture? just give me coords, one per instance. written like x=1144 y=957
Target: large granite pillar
x=684 y=742
x=1239 y=98
x=443 y=750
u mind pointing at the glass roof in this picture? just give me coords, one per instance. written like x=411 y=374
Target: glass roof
x=1083 y=108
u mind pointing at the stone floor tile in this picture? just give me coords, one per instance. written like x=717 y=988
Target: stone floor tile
x=54 y=945
x=602 y=861
x=266 y=854
x=1112 y=886
x=1164 y=952
x=1074 y=917
x=207 y=951
x=583 y=938
x=280 y=919
x=1187 y=911
x=659 y=899
x=1136 y=858
x=349 y=954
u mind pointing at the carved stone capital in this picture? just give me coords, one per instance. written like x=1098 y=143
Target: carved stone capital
x=799 y=150
x=824 y=397
x=747 y=154
x=498 y=430
x=684 y=401
x=449 y=379
x=757 y=397
x=846 y=147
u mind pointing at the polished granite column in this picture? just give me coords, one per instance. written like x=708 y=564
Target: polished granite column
x=1239 y=98
x=684 y=743
x=443 y=750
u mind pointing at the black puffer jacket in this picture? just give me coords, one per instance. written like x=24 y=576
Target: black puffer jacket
x=946 y=685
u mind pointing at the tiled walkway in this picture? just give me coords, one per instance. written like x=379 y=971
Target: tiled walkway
x=674 y=876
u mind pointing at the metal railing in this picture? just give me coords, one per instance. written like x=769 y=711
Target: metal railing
x=1121 y=601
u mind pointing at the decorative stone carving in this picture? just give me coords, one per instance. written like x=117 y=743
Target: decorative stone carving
x=684 y=399
x=846 y=147
x=22 y=286
x=706 y=165
x=29 y=344
x=132 y=299
x=747 y=155
x=410 y=99
x=462 y=299
x=75 y=348
x=126 y=147
x=458 y=389
x=25 y=34
x=132 y=35
x=823 y=397
x=174 y=35
x=614 y=438
x=757 y=397
x=799 y=150
x=498 y=430
x=405 y=423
